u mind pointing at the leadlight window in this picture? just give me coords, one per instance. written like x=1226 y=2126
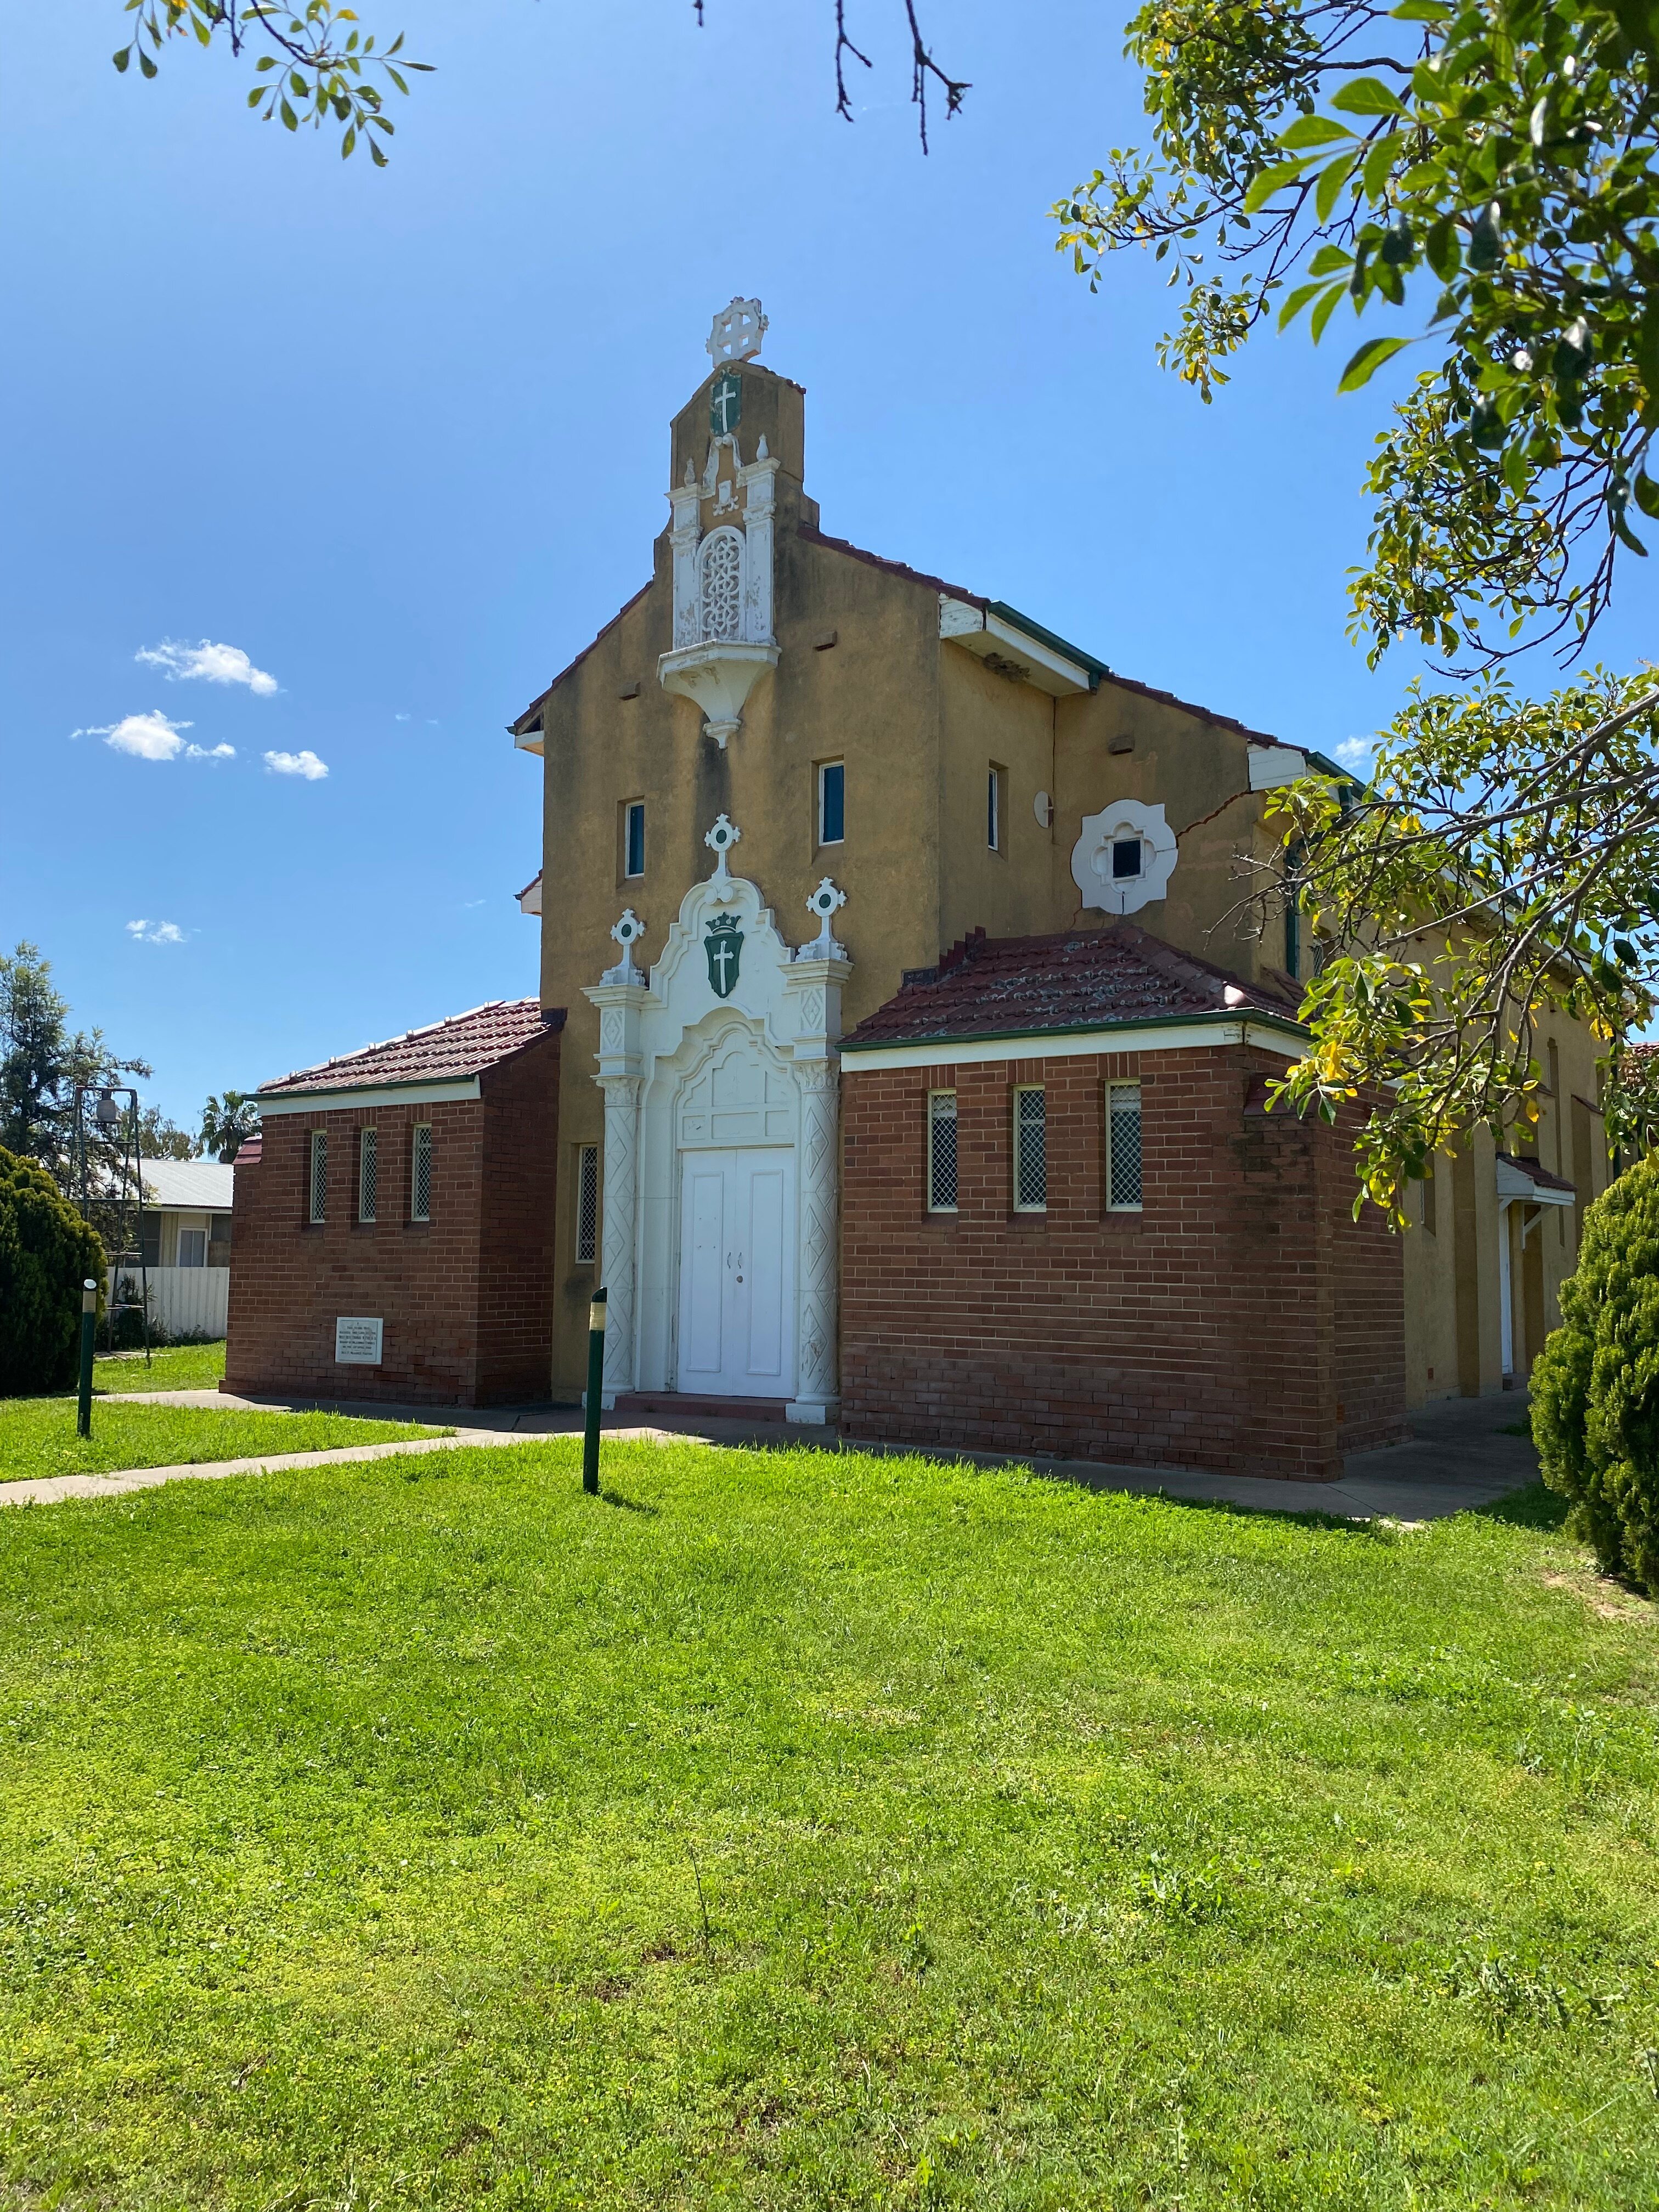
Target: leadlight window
x=367 y=1174
x=1123 y=1146
x=941 y=1151
x=832 y=802
x=587 y=1205
x=722 y=585
x=319 y=1174
x=1030 y=1149
x=420 y=1174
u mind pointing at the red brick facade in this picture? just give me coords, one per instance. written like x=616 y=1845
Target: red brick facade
x=1240 y=1321
x=466 y=1296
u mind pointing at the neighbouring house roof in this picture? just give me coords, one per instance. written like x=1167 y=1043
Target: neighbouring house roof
x=530 y=898
x=252 y=1152
x=444 y=1052
x=999 y=987
x=181 y=1185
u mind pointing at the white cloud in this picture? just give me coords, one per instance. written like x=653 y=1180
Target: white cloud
x=147 y=737
x=154 y=738
x=304 y=763
x=211 y=664
x=155 y=932
x=1354 y=752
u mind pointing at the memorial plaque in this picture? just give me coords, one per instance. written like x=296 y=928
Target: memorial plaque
x=357 y=1341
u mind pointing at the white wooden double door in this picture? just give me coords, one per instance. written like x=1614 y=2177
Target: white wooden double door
x=737 y=1306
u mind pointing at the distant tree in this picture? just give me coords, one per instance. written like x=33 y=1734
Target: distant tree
x=160 y=1138
x=42 y=1062
x=46 y=1253
x=229 y=1122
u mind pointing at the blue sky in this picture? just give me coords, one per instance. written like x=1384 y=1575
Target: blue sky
x=399 y=439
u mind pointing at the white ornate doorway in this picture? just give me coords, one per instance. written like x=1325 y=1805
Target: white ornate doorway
x=721 y=1163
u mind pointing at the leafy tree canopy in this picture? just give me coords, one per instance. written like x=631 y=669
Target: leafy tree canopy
x=227 y=1123
x=42 y=1063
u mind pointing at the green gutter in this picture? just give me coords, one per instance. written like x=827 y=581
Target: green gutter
x=1097 y=668
x=1086 y=1029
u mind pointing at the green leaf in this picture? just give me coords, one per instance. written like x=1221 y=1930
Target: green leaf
x=145 y=63
x=1331 y=181
x=1267 y=182
x=122 y=58
x=1440 y=249
x=1369 y=95
x=1322 y=313
x=1314 y=131
x=1421 y=11
x=1297 y=301
x=1647 y=493
x=1328 y=260
x=348 y=143
x=1378 y=162
x=1368 y=360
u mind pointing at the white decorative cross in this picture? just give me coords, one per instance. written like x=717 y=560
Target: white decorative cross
x=720 y=949
x=826 y=901
x=627 y=932
x=723 y=886
x=737 y=333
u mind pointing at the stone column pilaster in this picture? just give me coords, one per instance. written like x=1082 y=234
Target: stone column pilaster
x=815 y=986
x=620 y=1078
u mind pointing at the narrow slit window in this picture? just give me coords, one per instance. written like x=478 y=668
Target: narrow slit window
x=832 y=802
x=420 y=1176
x=319 y=1174
x=369 y=1180
x=1123 y=1146
x=1030 y=1149
x=587 y=1205
x=941 y=1151
x=633 y=838
x=993 y=797
x=1431 y=1204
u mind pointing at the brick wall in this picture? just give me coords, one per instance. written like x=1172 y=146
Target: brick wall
x=1239 y=1321
x=466 y=1298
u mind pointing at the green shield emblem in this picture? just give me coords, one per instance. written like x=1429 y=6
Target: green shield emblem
x=724 y=945
x=725 y=404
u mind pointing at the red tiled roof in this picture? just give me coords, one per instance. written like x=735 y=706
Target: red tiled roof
x=990 y=986
x=249 y=1152
x=443 y=1052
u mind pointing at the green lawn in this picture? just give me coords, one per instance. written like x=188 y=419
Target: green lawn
x=1057 y=1849
x=182 y=1367
x=38 y=1437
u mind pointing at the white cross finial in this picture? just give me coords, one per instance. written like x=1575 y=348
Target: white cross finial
x=826 y=902
x=720 y=840
x=737 y=332
x=627 y=932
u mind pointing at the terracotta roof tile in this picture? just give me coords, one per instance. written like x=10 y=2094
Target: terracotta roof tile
x=1082 y=979
x=443 y=1052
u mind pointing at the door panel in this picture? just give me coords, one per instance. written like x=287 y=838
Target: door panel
x=702 y=1258
x=737 y=1273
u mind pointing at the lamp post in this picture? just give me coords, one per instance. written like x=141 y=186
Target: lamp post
x=89 y=1324
x=109 y=1118
x=595 y=1392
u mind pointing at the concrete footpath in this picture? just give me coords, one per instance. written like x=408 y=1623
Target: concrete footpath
x=1458 y=1458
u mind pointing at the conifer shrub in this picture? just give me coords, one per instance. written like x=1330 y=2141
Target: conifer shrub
x=1595 y=1385
x=46 y=1253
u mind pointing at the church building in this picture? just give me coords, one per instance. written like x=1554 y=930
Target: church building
x=900 y=1060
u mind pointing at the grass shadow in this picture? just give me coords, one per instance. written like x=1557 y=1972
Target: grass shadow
x=1535 y=1507
x=626 y=1504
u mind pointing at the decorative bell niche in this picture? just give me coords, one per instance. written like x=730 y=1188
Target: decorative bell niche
x=722 y=545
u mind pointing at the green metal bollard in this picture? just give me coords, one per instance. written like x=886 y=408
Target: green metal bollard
x=88 y=1325
x=595 y=1392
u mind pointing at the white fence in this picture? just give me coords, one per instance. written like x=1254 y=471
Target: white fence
x=182 y=1301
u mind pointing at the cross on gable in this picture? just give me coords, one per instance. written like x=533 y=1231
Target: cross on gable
x=726 y=404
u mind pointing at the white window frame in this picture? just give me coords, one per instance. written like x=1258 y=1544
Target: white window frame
x=1027 y=1091
x=368 y=1174
x=317 y=1159
x=422 y=1129
x=935 y=1117
x=630 y=808
x=1114 y=1092
x=587 y=1166
x=824 y=767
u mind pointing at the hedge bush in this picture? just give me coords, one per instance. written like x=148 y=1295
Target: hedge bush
x=46 y=1252
x=1595 y=1385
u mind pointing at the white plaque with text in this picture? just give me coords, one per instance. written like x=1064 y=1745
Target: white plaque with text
x=357 y=1341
